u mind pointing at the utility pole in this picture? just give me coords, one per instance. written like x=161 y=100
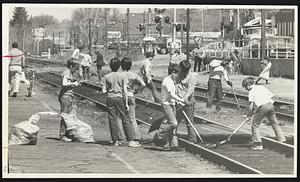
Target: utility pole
x=263 y=34
x=144 y=22
x=238 y=19
x=59 y=44
x=24 y=33
x=97 y=35
x=202 y=19
x=106 y=36
x=187 y=33
x=90 y=37
x=74 y=34
x=127 y=31
x=44 y=41
x=53 y=43
x=149 y=21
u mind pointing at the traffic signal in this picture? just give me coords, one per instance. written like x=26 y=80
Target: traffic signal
x=167 y=19
x=184 y=27
x=178 y=27
x=157 y=19
x=141 y=27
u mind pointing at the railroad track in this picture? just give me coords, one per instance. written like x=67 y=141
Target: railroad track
x=283 y=110
x=200 y=95
x=276 y=158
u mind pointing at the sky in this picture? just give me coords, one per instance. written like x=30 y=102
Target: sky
x=62 y=13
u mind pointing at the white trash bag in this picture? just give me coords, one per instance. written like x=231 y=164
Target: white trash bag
x=25 y=132
x=78 y=130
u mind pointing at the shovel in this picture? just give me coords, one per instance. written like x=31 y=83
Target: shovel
x=228 y=139
x=235 y=98
x=187 y=118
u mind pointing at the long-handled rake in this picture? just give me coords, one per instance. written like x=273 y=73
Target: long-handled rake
x=187 y=118
x=234 y=132
x=235 y=98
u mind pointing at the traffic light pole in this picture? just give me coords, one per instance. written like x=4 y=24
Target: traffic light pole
x=90 y=37
x=127 y=31
x=106 y=36
x=187 y=34
x=263 y=34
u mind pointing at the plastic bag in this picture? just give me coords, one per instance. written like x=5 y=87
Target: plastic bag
x=78 y=130
x=25 y=132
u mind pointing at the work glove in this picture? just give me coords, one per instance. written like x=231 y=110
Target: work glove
x=76 y=84
x=229 y=83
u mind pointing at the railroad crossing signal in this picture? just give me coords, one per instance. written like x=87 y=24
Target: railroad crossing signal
x=141 y=27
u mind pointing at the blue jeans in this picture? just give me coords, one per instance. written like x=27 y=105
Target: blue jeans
x=189 y=110
x=167 y=131
x=266 y=110
x=214 y=90
x=66 y=106
x=131 y=104
x=116 y=109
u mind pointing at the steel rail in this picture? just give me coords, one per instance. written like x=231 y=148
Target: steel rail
x=281 y=115
x=282 y=147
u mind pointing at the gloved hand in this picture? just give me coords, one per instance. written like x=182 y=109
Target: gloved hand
x=186 y=102
x=229 y=83
x=76 y=83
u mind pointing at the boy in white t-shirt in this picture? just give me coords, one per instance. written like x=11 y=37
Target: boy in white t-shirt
x=261 y=98
x=167 y=133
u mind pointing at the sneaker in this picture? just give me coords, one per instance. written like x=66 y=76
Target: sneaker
x=134 y=144
x=117 y=143
x=218 y=108
x=177 y=149
x=66 y=139
x=15 y=94
x=256 y=146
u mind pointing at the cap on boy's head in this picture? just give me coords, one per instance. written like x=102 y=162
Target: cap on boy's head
x=149 y=54
x=14 y=45
x=185 y=66
x=248 y=81
x=215 y=63
x=176 y=69
x=114 y=64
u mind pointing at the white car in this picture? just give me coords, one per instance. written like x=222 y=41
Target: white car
x=44 y=54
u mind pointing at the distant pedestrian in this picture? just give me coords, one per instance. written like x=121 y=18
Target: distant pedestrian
x=76 y=55
x=85 y=61
x=167 y=132
x=174 y=60
x=185 y=89
x=115 y=85
x=99 y=62
x=66 y=96
x=133 y=79
x=265 y=74
x=217 y=70
x=198 y=54
x=146 y=73
x=16 y=71
x=261 y=102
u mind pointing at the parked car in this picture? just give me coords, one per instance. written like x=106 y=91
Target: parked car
x=44 y=54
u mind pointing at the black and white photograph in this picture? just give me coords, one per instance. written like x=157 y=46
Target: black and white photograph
x=149 y=90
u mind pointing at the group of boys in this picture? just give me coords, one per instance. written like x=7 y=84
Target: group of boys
x=176 y=98
x=85 y=60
